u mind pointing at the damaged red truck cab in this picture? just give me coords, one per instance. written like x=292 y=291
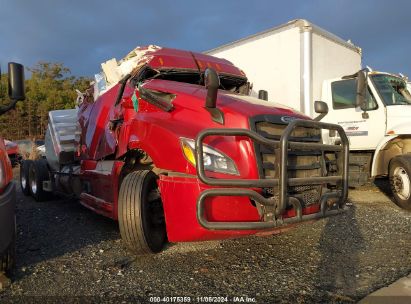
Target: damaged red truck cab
x=177 y=151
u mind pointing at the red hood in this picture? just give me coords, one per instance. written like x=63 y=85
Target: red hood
x=193 y=97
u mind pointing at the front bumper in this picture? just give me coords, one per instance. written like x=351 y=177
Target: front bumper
x=203 y=208
x=274 y=214
x=7 y=217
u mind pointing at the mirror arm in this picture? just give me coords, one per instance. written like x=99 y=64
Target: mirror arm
x=319 y=117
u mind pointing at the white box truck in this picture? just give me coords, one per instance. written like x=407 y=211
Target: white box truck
x=299 y=63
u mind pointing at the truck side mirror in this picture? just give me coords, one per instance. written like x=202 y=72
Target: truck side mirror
x=263 y=94
x=212 y=83
x=16 y=81
x=321 y=108
x=361 y=89
x=16 y=86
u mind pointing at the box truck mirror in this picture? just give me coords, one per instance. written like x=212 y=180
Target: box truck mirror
x=321 y=108
x=263 y=94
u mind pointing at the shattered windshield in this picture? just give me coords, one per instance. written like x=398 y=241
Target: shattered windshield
x=227 y=82
x=392 y=89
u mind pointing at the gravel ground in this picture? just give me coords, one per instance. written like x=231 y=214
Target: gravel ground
x=66 y=252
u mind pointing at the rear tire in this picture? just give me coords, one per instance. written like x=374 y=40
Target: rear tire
x=38 y=172
x=400 y=180
x=140 y=213
x=24 y=176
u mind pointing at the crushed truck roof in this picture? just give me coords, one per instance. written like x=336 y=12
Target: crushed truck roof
x=160 y=59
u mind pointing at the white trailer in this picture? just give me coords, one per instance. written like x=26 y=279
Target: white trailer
x=299 y=63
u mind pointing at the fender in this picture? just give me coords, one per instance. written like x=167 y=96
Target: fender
x=154 y=135
x=389 y=147
x=400 y=129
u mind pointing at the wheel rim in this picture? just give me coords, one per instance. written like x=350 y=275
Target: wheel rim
x=401 y=183
x=32 y=181
x=33 y=187
x=23 y=182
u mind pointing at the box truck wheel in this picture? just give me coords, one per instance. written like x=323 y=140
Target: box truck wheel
x=140 y=213
x=24 y=176
x=38 y=172
x=400 y=180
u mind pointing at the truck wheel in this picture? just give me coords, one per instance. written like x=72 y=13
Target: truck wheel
x=24 y=176
x=140 y=213
x=400 y=180
x=38 y=172
x=7 y=259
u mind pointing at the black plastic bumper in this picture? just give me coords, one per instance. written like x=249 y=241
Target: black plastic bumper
x=7 y=217
x=331 y=202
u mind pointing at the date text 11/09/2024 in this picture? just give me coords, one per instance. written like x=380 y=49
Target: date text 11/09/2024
x=236 y=299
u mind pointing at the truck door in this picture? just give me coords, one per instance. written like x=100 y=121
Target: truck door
x=364 y=130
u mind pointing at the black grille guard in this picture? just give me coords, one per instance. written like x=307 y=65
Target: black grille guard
x=330 y=202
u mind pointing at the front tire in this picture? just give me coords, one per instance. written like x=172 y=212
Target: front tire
x=140 y=213
x=400 y=180
x=38 y=172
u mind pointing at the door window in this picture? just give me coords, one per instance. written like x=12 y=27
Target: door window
x=344 y=94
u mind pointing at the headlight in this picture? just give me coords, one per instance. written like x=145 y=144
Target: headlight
x=213 y=160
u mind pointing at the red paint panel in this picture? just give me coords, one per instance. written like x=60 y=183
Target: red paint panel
x=97 y=139
x=104 y=188
x=97 y=205
x=180 y=211
x=4 y=159
x=171 y=58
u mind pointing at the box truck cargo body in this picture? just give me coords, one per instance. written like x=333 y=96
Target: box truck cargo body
x=291 y=62
x=299 y=63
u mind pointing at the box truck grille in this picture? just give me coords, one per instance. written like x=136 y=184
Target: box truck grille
x=300 y=163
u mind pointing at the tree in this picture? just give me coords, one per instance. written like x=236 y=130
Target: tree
x=50 y=87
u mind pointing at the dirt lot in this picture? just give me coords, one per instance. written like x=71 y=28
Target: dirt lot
x=66 y=252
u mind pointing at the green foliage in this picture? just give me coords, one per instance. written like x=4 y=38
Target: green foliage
x=50 y=87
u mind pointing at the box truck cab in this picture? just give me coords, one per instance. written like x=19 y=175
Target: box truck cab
x=377 y=120
x=7 y=187
x=298 y=63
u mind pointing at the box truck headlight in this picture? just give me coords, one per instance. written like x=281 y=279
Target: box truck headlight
x=213 y=160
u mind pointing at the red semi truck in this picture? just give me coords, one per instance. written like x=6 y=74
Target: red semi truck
x=177 y=150
x=7 y=187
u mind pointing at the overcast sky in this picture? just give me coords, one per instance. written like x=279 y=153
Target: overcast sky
x=82 y=34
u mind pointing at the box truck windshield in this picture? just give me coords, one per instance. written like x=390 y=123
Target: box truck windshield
x=393 y=89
